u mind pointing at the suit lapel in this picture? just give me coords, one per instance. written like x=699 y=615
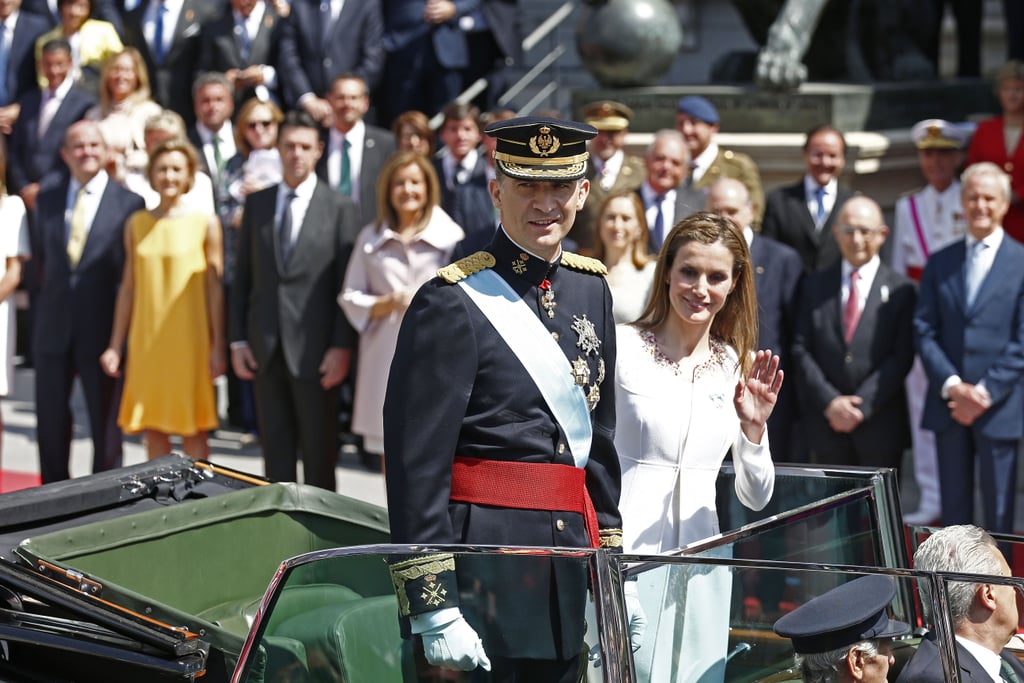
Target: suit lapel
x=99 y=227
x=989 y=286
x=259 y=48
x=314 y=221
x=873 y=302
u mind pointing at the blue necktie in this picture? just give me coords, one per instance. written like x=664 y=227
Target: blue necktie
x=158 y=33
x=659 y=222
x=284 y=234
x=819 y=194
x=4 y=55
x=244 y=42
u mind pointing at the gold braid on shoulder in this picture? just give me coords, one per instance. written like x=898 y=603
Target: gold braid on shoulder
x=465 y=267
x=583 y=263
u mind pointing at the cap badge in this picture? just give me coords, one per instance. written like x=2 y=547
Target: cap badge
x=544 y=144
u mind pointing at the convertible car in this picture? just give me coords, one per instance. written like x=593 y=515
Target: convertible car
x=179 y=570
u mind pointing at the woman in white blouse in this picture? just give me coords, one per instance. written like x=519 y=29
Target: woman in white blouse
x=392 y=257
x=689 y=388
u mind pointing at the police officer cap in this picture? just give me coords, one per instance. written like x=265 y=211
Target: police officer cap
x=843 y=616
x=607 y=115
x=937 y=134
x=699 y=108
x=539 y=148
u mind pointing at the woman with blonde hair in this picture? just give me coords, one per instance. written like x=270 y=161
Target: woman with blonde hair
x=170 y=310
x=622 y=246
x=690 y=388
x=124 y=107
x=392 y=257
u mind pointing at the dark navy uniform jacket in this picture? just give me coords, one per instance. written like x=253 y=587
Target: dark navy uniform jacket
x=456 y=388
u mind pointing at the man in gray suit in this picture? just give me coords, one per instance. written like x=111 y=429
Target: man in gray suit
x=667 y=196
x=287 y=332
x=355 y=151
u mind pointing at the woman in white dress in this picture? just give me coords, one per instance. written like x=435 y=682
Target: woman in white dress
x=689 y=388
x=392 y=257
x=622 y=247
x=14 y=249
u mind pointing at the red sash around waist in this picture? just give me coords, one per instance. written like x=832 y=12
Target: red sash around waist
x=526 y=486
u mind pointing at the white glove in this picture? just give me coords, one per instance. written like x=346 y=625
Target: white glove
x=635 y=614
x=455 y=645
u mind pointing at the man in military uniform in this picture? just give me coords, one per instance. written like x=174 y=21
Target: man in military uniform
x=499 y=419
x=611 y=170
x=697 y=119
x=926 y=221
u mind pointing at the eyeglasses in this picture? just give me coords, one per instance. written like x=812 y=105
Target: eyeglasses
x=254 y=124
x=851 y=230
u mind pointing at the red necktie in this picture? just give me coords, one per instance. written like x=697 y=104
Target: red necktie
x=851 y=313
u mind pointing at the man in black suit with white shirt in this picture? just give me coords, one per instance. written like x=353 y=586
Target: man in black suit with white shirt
x=666 y=195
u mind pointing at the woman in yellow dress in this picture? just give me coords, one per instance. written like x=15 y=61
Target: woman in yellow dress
x=171 y=308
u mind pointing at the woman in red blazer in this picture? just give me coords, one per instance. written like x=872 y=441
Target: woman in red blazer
x=999 y=140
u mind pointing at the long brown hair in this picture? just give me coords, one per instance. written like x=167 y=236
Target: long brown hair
x=399 y=160
x=638 y=249
x=736 y=323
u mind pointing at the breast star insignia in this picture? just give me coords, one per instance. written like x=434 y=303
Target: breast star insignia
x=587 y=333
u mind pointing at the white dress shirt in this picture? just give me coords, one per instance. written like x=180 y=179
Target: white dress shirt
x=356 y=137
x=170 y=21
x=90 y=201
x=300 y=205
x=226 y=145
x=865 y=278
x=829 y=200
x=703 y=161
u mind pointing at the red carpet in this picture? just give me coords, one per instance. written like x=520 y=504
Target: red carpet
x=13 y=481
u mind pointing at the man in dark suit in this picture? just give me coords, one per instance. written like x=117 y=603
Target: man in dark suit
x=463 y=171
x=287 y=332
x=984 y=616
x=969 y=330
x=324 y=39
x=356 y=152
x=243 y=44
x=33 y=156
x=80 y=258
x=853 y=347
x=666 y=195
x=494 y=43
x=803 y=215
x=18 y=31
x=213 y=134
x=168 y=34
x=777 y=271
x=611 y=170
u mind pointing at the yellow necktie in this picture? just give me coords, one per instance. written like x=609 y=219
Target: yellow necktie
x=76 y=231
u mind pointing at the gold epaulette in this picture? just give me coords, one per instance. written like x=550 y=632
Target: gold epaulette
x=910 y=193
x=465 y=267
x=583 y=263
x=610 y=538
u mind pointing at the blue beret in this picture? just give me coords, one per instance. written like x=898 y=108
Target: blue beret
x=539 y=148
x=699 y=108
x=846 y=615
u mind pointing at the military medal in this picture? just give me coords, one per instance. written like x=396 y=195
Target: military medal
x=584 y=329
x=581 y=372
x=593 y=396
x=547 y=299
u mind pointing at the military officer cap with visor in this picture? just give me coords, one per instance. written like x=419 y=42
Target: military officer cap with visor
x=938 y=134
x=844 y=616
x=539 y=148
x=607 y=115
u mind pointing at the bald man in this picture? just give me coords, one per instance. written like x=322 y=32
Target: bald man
x=777 y=271
x=853 y=348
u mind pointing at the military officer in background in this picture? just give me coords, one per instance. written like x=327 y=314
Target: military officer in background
x=697 y=119
x=611 y=170
x=499 y=422
x=925 y=221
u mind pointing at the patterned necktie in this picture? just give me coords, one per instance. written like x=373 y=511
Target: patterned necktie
x=975 y=272
x=1007 y=673
x=851 y=313
x=244 y=41
x=659 y=221
x=76 y=229
x=345 y=177
x=284 y=234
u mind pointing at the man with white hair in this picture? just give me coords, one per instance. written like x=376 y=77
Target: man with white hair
x=969 y=333
x=666 y=196
x=984 y=616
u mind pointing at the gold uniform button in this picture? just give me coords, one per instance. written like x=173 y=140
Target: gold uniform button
x=554 y=335
x=561 y=448
x=560 y=525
